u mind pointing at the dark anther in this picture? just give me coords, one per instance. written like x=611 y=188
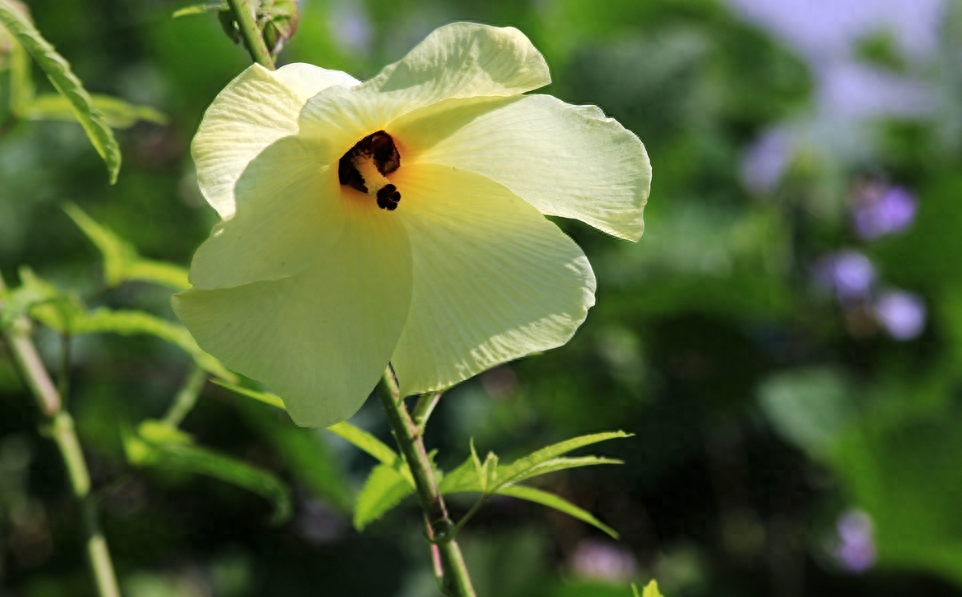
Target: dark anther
x=388 y=197
x=379 y=146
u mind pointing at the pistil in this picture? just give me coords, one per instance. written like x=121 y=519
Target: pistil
x=364 y=168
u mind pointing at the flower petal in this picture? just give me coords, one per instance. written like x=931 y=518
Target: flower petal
x=461 y=60
x=254 y=110
x=322 y=338
x=289 y=213
x=493 y=279
x=568 y=161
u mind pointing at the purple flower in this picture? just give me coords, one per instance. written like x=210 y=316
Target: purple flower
x=603 y=561
x=882 y=210
x=849 y=273
x=901 y=313
x=855 y=551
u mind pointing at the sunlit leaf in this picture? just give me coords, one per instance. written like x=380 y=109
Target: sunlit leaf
x=198 y=9
x=158 y=445
x=518 y=468
x=650 y=590
x=384 y=489
x=118 y=113
x=67 y=84
x=122 y=263
x=560 y=464
x=551 y=500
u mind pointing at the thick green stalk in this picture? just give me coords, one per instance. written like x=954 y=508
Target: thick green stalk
x=61 y=429
x=247 y=22
x=455 y=580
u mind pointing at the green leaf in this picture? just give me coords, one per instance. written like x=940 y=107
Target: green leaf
x=651 y=590
x=384 y=489
x=117 y=113
x=487 y=472
x=306 y=453
x=122 y=262
x=198 y=9
x=520 y=467
x=21 y=83
x=67 y=316
x=67 y=84
x=20 y=300
x=551 y=500
x=350 y=433
x=366 y=442
x=265 y=397
x=462 y=479
x=158 y=445
x=808 y=408
x=560 y=464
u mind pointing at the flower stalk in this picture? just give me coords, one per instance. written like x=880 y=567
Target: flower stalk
x=60 y=428
x=454 y=577
x=247 y=23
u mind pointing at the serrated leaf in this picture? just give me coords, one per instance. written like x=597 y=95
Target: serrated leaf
x=198 y=9
x=559 y=464
x=515 y=470
x=383 y=491
x=462 y=479
x=67 y=84
x=121 y=260
x=117 y=113
x=158 y=445
x=523 y=492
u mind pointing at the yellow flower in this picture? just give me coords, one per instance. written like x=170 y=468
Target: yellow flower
x=400 y=219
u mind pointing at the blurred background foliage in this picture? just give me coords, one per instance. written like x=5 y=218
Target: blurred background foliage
x=785 y=341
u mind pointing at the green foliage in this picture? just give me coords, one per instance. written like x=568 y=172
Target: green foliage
x=117 y=113
x=650 y=590
x=913 y=506
x=66 y=314
x=382 y=492
x=158 y=445
x=808 y=407
x=537 y=496
x=67 y=84
x=199 y=9
x=122 y=263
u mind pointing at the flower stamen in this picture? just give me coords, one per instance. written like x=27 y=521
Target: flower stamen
x=364 y=168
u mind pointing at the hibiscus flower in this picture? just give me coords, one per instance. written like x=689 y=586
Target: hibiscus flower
x=401 y=220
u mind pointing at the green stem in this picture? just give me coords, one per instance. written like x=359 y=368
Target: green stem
x=247 y=22
x=424 y=407
x=61 y=428
x=455 y=580
x=63 y=380
x=186 y=397
x=464 y=519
